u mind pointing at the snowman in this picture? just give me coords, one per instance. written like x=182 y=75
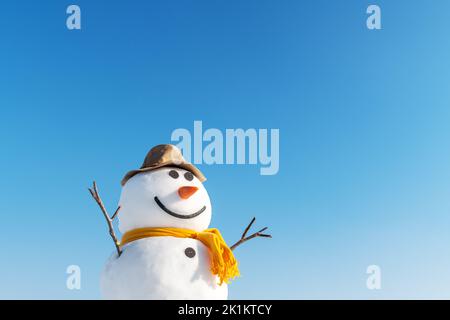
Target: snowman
x=167 y=250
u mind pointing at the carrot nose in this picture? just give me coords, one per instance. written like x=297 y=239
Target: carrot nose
x=186 y=192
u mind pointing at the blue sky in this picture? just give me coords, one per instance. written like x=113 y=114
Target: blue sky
x=364 y=137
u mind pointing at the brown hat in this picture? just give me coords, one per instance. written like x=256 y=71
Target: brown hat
x=164 y=155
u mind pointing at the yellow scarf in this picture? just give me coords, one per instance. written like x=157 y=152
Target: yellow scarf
x=223 y=262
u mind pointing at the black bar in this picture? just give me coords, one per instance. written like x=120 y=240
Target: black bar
x=242 y=309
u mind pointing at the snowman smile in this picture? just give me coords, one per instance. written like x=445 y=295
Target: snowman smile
x=177 y=215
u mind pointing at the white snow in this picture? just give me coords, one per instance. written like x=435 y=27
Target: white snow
x=157 y=268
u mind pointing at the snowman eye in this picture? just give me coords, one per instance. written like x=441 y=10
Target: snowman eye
x=189 y=176
x=174 y=174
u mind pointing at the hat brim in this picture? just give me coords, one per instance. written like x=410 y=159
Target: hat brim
x=187 y=166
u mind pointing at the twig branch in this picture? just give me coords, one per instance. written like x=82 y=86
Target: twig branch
x=254 y=235
x=109 y=220
x=115 y=213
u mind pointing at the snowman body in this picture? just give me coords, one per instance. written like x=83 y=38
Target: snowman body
x=163 y=267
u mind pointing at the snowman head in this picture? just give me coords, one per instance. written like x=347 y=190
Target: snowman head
x=165 y=192
x=166 y=197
